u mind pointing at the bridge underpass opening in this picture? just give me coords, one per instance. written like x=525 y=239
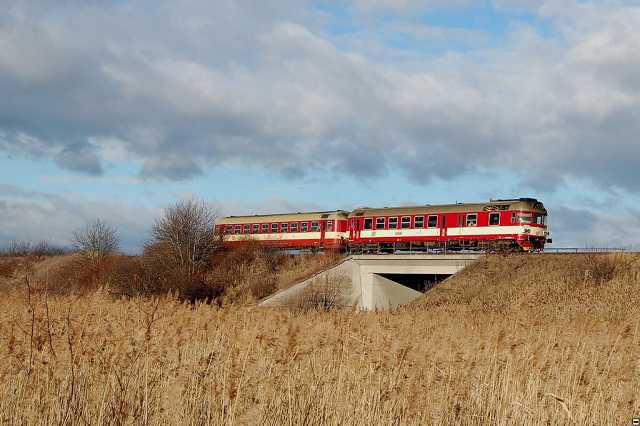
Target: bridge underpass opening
x=417 y=282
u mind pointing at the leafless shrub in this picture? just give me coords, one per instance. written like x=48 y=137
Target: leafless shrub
x=8 y=266
x=184 y=236
x=130 y=276
x=24 y=248
x=96 y=240
x=178 y=256
x=18 y=248
x=600 y=267
x=78 y=275
x=321 y=295
x=249 y=272
x=44 y=248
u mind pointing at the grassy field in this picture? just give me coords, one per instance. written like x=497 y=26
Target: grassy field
x=538 y=339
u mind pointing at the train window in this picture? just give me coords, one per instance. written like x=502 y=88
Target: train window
x=314 y=226
x=265 y=227
x=294 y=227
x=524 y=217
x=238 y=229
x=256 y=228
x=304 y=226
x=229 y=229
x=418 y=222
x=393 y=223
x=274 y=227
x=432 y=222
x=406 y=222
x=247 y=229
x=494 y=219
x=540 y=219
x=284 y=227
x=380 y=222
x=514 y=218
x=472 y=219
x=329 y=226
x=368 y=223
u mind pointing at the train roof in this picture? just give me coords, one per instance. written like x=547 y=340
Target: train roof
x=529 y=204
x=284 y=217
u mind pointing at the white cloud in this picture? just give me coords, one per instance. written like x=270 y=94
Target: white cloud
x=238 y=83
x=518 y=5
x=406 y=6
x=36 y=216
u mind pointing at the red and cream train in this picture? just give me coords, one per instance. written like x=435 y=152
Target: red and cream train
x=517 y=224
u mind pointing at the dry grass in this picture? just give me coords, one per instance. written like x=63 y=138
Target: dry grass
x=298 y=268
x=323 y=293
x=513 y=340
x=252 y=272
x=239 y=276
x=8 y=267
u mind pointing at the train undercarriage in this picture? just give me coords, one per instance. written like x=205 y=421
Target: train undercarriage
x=484 y=246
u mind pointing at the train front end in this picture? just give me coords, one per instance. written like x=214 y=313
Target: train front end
x=530 y=215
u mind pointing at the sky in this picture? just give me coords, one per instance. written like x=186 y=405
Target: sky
x=115 y=109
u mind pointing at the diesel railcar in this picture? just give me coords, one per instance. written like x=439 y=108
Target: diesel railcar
x=497 y=225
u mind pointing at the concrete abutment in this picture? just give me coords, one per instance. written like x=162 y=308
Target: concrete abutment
x=377 y=281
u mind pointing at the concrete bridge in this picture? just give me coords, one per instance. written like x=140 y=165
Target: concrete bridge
x=375 y=281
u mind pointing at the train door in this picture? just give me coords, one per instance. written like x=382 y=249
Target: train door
x=461 y=221
x=443 y=227
x=323 y=225
x=354 y=229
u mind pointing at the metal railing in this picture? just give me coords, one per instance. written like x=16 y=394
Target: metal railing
x=586 y=250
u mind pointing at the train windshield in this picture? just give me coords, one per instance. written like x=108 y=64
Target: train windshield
x=541 y=219
x=524 y=217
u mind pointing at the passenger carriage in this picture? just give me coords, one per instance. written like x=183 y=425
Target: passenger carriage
x=294 y=231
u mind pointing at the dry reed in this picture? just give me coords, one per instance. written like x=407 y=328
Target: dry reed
x=526 y=340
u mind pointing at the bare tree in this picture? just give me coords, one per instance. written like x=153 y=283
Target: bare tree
x=97 y=239
x=185 y=235
x=19 y=248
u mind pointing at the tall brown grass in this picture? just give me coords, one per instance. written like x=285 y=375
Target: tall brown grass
x=532 y=340
x=8 y=266
x=242 y=275
x=323 y=293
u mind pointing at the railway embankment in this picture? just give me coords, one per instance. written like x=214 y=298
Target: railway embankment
x=600 y=285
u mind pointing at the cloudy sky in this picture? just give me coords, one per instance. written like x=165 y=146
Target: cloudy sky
x=116 y=108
